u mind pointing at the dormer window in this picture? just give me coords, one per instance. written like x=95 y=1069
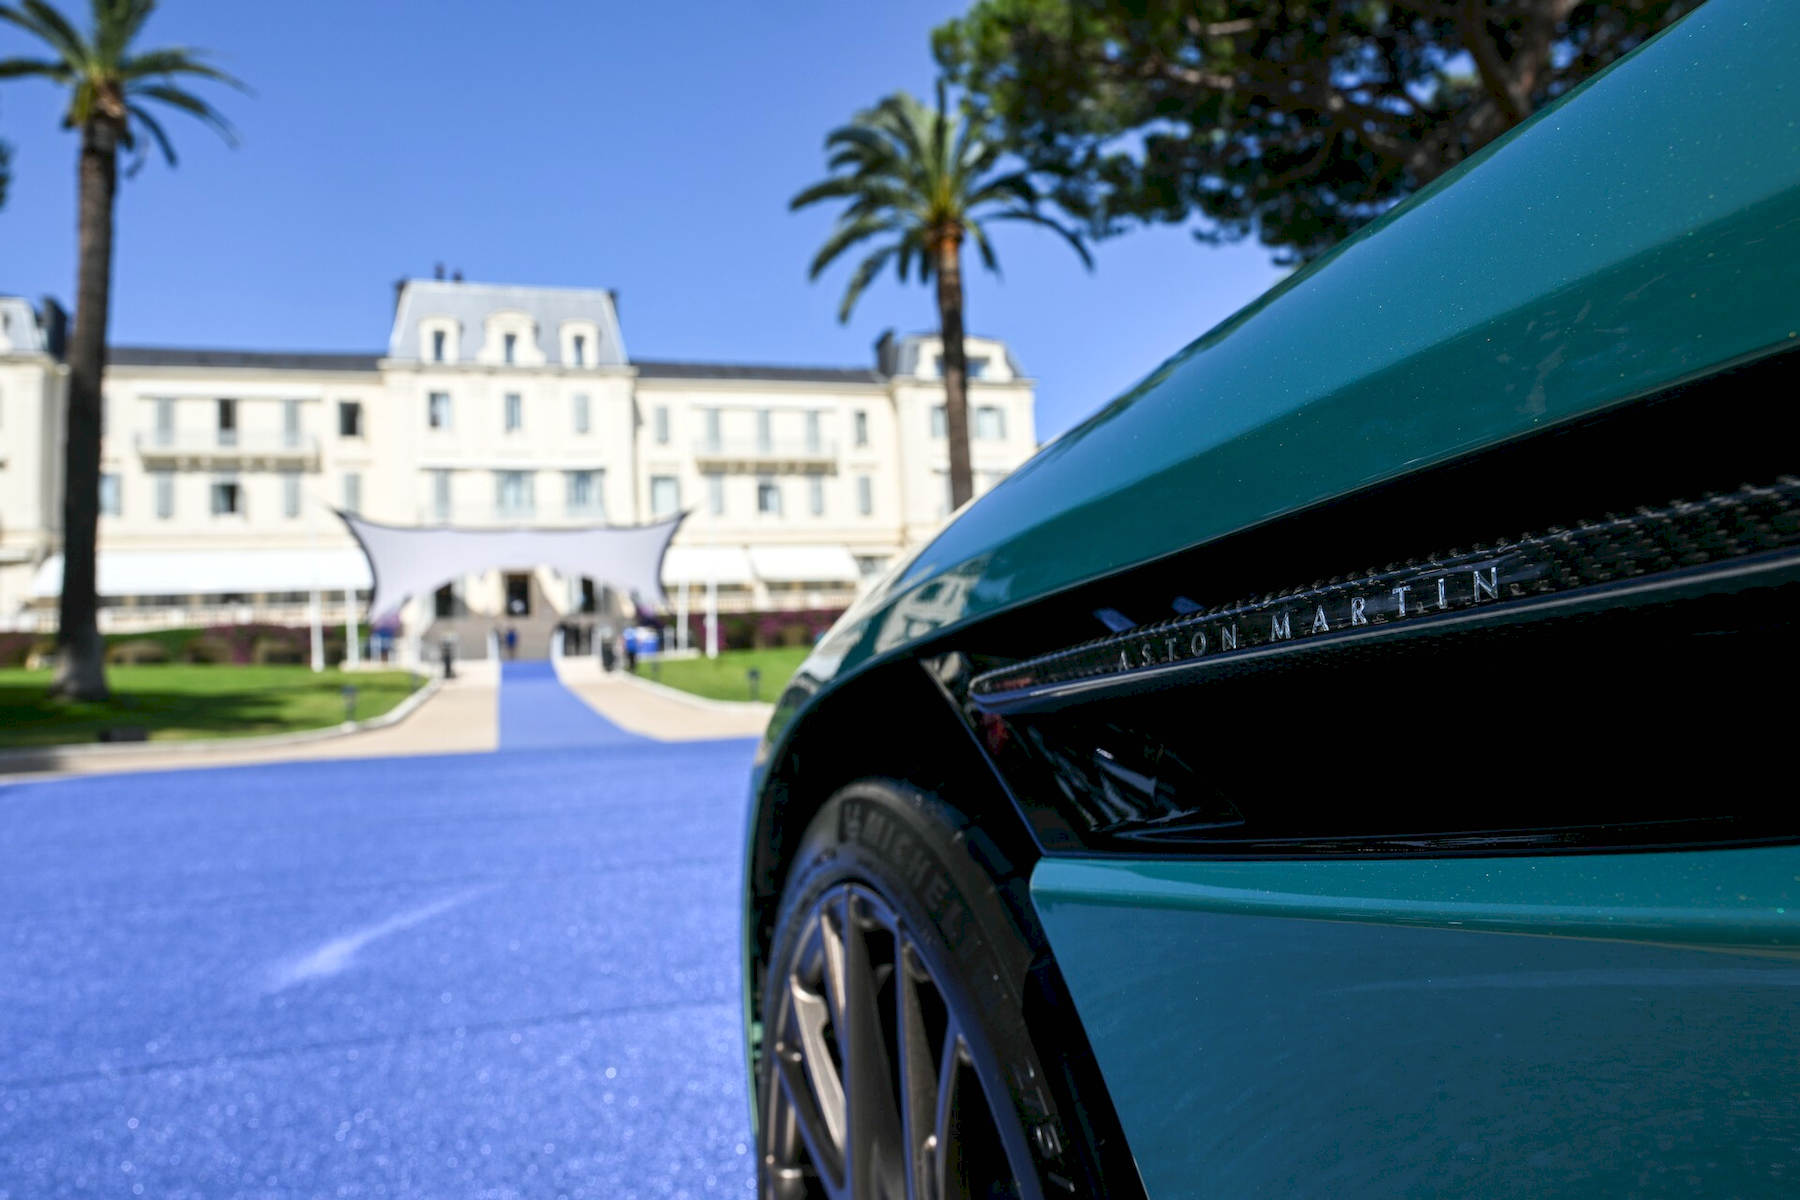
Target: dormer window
x=510 y=348
x=579 y=350
x=439 y=341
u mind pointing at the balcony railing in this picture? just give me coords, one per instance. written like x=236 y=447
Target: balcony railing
x=759 y=451
x=476 y=516
x=227 y=444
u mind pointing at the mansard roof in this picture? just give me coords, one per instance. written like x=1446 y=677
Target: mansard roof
x=470 y=305
x=277 y=360
x=666 y=369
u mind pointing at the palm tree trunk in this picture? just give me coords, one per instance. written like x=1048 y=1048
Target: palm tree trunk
x=956 y=367
x=81 y=669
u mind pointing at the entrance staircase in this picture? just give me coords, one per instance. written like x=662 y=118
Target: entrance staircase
x=472 y=629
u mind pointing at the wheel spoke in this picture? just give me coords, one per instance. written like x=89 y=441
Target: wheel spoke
x=873 y=1160
x=944 y=1120
x=810 y=1013
x=821 y=1145
x=918 y=1080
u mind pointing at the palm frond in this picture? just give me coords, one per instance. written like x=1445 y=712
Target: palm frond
x=188 y=103
x=154 y=128
x=21 y=68
x=45 y=23
x=117 y=26
x=842 y=238
x=1032 y=217
x=859 y=282
x=177 y=60
x=983 y=247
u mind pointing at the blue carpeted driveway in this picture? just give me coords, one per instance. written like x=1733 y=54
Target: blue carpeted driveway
x=494 y=975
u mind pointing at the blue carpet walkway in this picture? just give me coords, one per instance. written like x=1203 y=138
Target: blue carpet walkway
x=496 y=975
x=538 y=713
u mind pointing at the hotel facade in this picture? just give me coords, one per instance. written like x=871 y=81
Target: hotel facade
x=493 y=407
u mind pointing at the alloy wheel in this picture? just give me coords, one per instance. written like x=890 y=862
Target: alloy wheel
x=872 y=1091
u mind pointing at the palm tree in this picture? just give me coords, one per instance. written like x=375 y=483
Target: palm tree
x=110 y=86
x=921 y=180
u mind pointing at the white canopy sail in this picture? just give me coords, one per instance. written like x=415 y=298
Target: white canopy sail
x=409 y=561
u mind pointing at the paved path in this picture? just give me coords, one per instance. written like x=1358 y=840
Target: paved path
x=479 y=975
x=659 y=712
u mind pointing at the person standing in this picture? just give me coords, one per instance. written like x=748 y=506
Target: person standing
x=512 y=641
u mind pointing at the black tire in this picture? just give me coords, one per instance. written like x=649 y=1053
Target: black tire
x=885 y=872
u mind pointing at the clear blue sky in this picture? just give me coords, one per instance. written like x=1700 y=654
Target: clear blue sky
x=650 y=148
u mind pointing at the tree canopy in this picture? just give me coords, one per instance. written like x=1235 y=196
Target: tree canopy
x=1294 y=121
x=107 y=80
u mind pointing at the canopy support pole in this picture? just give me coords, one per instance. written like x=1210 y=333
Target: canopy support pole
x=316 y=619
x=352 y=651
x=681 y=616
x=712 y=615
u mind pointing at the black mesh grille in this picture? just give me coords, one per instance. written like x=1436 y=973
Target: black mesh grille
x=1722 y=528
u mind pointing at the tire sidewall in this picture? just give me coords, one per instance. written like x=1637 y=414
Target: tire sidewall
x=917 y=854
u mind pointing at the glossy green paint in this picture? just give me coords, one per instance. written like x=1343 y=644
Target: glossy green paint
x=1573 y=1025
x=1741 y=899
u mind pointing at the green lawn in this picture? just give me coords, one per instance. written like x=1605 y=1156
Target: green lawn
x=194 y=701
x=724 y=678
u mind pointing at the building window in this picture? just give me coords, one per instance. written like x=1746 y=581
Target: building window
x=865 y=495
x=714 y=438
x=665 y=495
x=768 y=497
x=765 y=431
x=290 y=422
x=585 y=489
x=861 y=423
x=165 y=421
x=227 y=498
x=940 y=421
x=440 y=495
x=515 y=412
x=973 y=368
x=437 y=345
x=870 y=565
x=816 y=495
x=661 y=419
x=110 y=500
x=350 y=419
x=437 y=410
x=579 y=345
x=813 y=439
x=513 y=493
x=990 y=423
x=290 y=494
x=352 y=492
x=583 y=418
x=510 y=347
x=227 y=422
x=164 y=487
x=715 y=493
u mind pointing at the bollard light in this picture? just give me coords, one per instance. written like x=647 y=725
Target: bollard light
x=349 y=703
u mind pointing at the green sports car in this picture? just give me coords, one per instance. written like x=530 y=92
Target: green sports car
x=1357 y=760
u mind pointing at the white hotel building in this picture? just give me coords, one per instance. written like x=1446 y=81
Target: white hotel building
x=493 y=407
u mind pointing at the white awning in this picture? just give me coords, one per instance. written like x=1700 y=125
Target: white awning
x=727 y=565
x=214 y=572
x=411 y=561
x=804 y=564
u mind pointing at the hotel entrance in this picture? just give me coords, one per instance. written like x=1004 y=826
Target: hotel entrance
x=518 y=595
